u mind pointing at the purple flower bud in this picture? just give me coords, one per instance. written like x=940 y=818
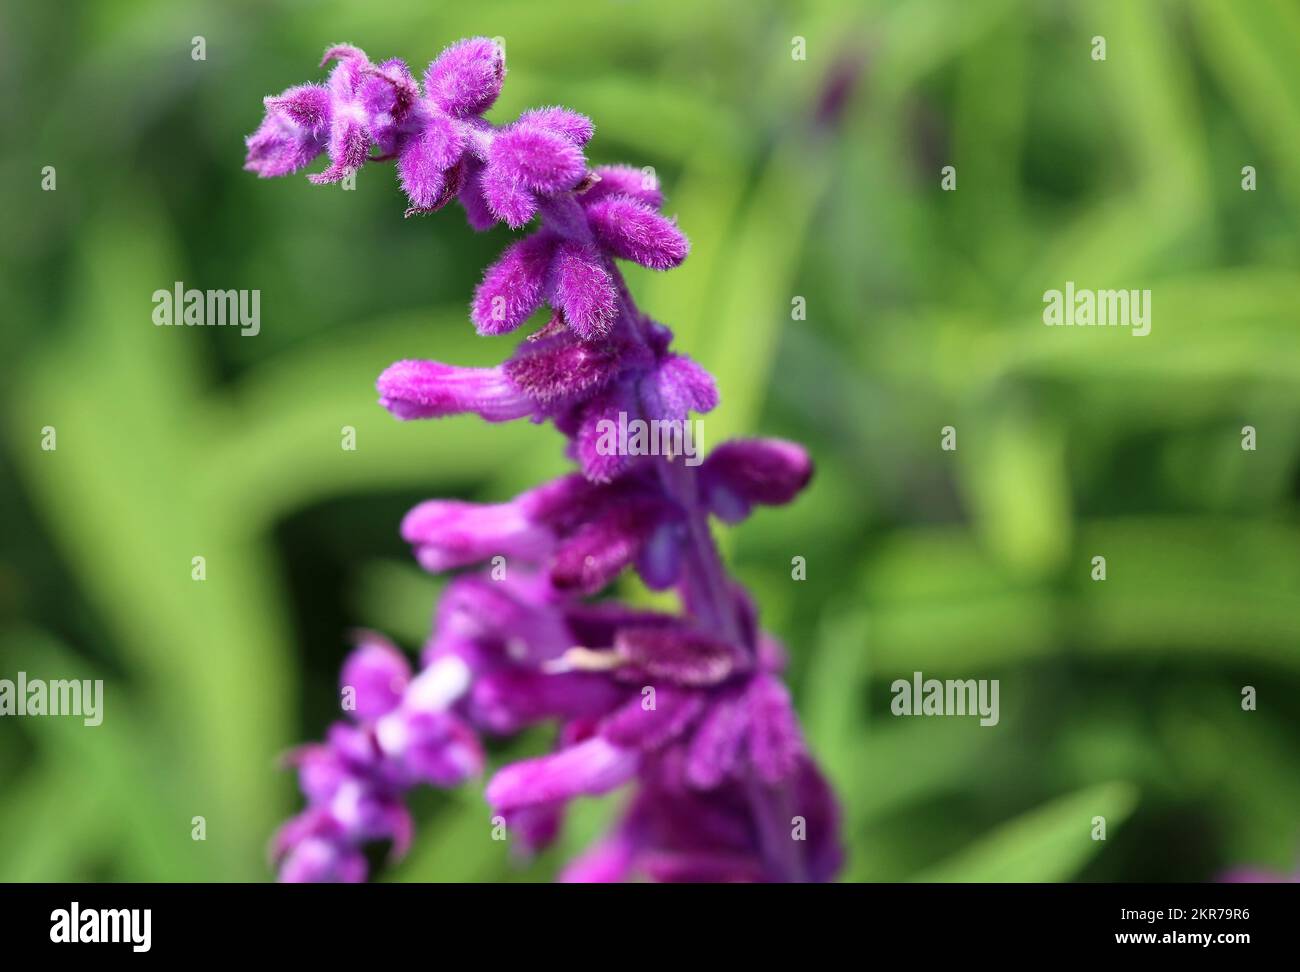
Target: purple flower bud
x=747 y=471
x=600 y=550
x=424 y=162
x=589 y=768
x=321 y=771
x=513 y=287
x=513 y=697
x=294 y=132
x=536 y=158
x=633 y=231
x=584 y=292
x=507 y=198
x=447 y=534
x=559 y=368
x=775 y=744
x=625 y=180
x=316 y=861
x=465 y=79
x=430 y=747
x=601 y=464
x=635 y=727
x=573 y=126
x=719 y=742
x=659 y=562
x=677 y=387
x=430 y=389
x=536 y=827
x=378 y=675
x=387 y=96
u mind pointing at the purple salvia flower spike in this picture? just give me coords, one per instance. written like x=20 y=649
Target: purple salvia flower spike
x=718 y=763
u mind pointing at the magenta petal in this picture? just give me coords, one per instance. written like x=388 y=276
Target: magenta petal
x=465 y=79
x=537 y=158
x=587 y=769
x=584 y=291
x=378 y=673
x=448 y=534
x=633 y=231
x=514 y=286
x=430 y=389
x=625 y=180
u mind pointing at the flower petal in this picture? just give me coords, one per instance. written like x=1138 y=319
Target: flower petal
x=589 y=768
x=584 y=291
x=633 y=231
x=638 y=184
x=465 y=79
x=678 y=654
x=514 y=286
x=537 y=158
x=378 y=673
x=573 y=126
x=743 y=472
x=430 y=389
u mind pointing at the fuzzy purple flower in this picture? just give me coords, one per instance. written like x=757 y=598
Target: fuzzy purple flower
x=686 y=710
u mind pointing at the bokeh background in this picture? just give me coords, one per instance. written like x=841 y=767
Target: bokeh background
x=816 y=178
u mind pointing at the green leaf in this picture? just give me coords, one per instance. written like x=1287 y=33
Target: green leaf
x=1050 y=843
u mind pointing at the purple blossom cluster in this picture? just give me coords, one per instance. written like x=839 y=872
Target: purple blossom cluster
x=686 y=709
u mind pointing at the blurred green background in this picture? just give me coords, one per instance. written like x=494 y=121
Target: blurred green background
x=816 y=178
